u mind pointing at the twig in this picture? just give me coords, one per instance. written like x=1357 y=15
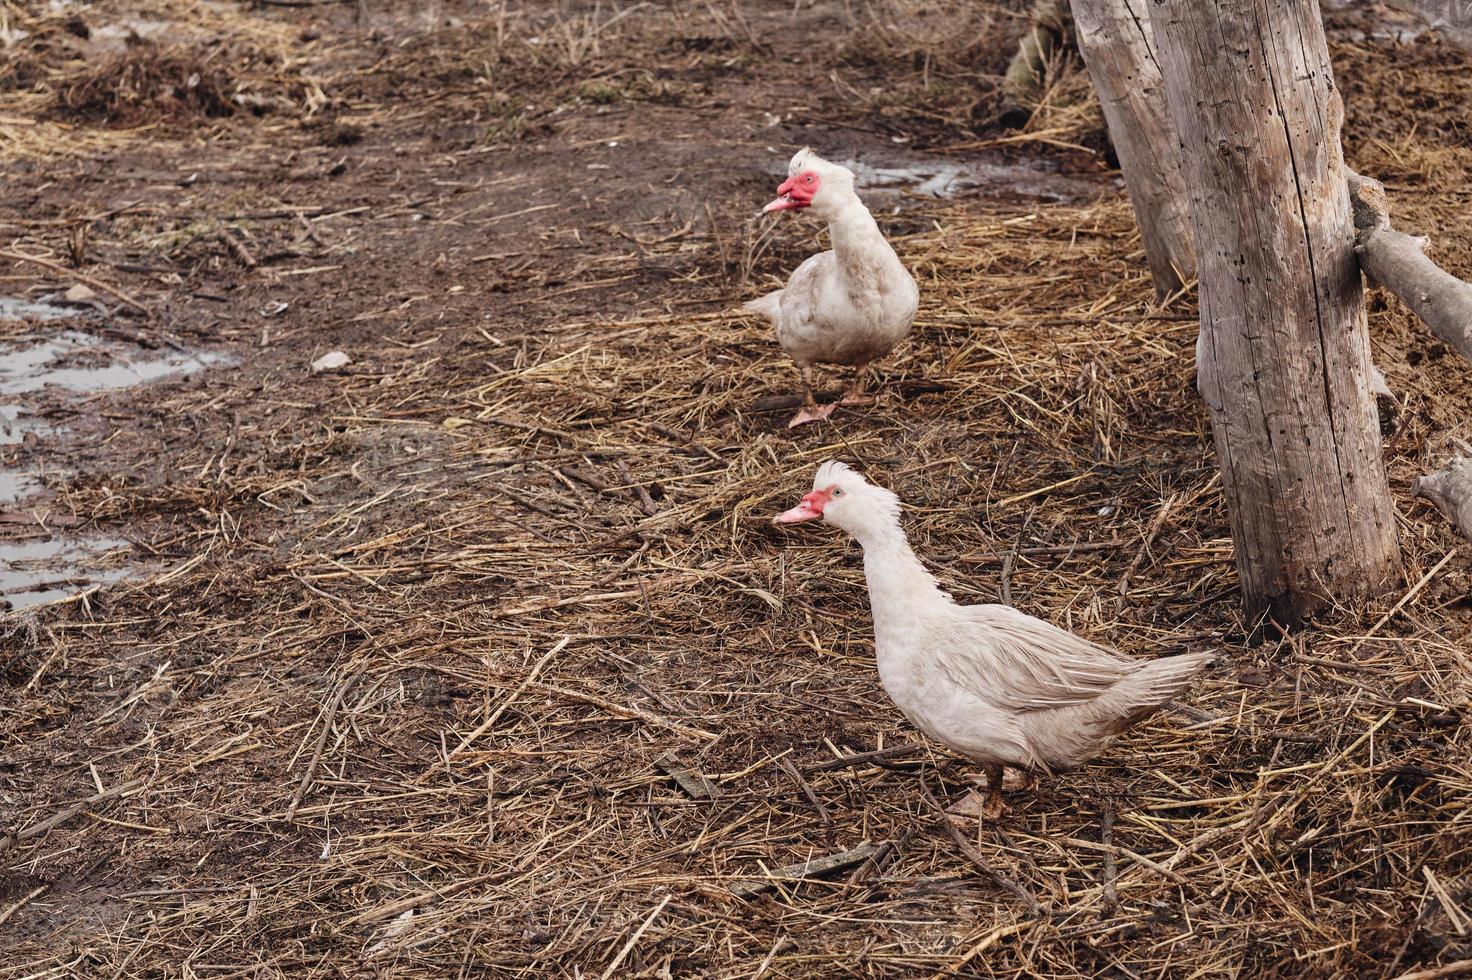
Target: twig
x=122 y=789
x=635 y=937
x=1437 y=972
x=1050 y=549
x=816 y=868
x=80 y=277
x=1403 y=600
x=986 y=942
x=1155 y=525
x=25 y=899
x=860 y=758
x=646 y=502
x=506 y=702
x=394 y=909
x=329 y=716
x=976 y=857
x=237 y=247
x=807 y=790
x=624 y=711
x=1011 y=556
x=695 y=784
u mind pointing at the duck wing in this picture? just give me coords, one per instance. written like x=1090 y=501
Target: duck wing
x=798 y=301
x=1021 y=663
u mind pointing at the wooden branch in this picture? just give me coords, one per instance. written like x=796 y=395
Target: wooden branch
x=976 y=857
x=1399 y=263
x=62 y=270
x=41 y=826
x=807 y=870
x=693 y=782
x=329 y=716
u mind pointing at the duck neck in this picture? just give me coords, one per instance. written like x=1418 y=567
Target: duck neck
x=900 y=588
x=860 y=246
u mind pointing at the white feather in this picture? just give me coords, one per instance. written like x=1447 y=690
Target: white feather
x=990 y=682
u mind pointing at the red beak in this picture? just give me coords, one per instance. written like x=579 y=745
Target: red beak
x=810 y=509
x=792 y=195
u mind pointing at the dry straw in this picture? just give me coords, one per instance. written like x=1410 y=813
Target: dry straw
x=490 y=662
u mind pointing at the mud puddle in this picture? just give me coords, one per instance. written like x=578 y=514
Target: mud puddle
x=33 y=572
x=12 y=308
x=16 y=485
x=894 y=173
x=40 y=363
x=37 y=366
x=15 y=422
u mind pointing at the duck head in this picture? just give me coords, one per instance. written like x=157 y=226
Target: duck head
x=844 y=499
x=813 y=182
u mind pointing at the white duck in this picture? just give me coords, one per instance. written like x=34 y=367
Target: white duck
x=993 y=684
x=848 y=306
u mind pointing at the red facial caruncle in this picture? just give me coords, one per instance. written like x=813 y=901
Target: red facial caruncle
x=796 y=192
x=810 y=509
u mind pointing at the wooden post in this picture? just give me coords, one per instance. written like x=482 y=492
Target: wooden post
x=1286 y=357
x=1118 y=48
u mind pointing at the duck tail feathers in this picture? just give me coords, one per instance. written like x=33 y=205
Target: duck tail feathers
x=1158 y=681
x=768 y=306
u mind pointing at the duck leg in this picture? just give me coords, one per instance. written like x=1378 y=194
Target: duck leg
x=994 y=807
x=811 y=411
x=987 y=808
x=856 y=394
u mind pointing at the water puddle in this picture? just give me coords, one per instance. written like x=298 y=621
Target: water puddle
x=33 y=572
x=12 y=308
x=15 y=422
x=31 y=368
x=36 y=368
x=938 y=177
x=16 y=486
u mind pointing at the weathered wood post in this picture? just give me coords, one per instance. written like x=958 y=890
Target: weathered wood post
x=1285 y=361
x=1118 y=48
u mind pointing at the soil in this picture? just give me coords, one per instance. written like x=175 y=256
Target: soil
x=274 y=715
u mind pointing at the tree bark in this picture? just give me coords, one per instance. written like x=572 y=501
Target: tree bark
x=1286 y=356
x=1399 y=263
x=1118 y=48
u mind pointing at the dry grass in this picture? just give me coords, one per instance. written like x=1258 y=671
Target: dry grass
x=147 y=82
x=433 y=738
x=485 y=659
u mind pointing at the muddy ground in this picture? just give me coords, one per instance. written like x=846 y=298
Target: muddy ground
x=398 y=669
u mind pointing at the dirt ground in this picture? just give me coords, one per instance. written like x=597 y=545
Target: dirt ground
x=480 y=656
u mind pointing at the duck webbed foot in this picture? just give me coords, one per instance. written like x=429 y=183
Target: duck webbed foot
x=986 y=806
x=811 y=413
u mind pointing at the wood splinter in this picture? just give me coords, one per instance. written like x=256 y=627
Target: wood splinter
x=694 y=783
x=816 y=868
